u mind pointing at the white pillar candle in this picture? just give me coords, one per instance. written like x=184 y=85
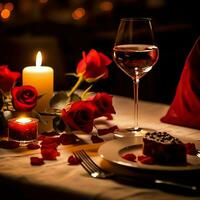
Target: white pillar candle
x=42 y=78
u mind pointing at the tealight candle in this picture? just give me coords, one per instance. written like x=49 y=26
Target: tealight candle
x=41 y=77
x=23 y=129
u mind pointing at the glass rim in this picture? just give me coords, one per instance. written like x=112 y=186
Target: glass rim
x=31 y=118
x=136 y=19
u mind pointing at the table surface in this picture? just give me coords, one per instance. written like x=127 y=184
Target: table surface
x=58 y=180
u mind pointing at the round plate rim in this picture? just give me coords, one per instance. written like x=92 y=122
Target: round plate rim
x=114 y=157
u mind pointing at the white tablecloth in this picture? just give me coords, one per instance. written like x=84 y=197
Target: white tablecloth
x=58 y=180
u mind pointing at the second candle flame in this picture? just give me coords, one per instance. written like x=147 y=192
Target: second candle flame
x=39 y=59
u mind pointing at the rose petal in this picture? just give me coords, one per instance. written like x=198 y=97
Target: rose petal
x=191 y=149
x=107 y=130
x=24 y=98
x=96 y=139
x=79 y=116
x=36 y=161
x=7 y=78
x=66 y=139
x=49 y=140
x=130 y=157
x=72 y=160
x=9 y=144
x=49 y=154
x=146 y=160
x=53 y=145
x=41 y=137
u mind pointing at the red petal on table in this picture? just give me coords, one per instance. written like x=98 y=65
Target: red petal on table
x=49 y=140
x=72 y=160
x=49 y=146
x=130 y=157
x=37 y=161
x=96 y=139
x=109 y=116
x=67 y=139
x=191 y=149
x=9 y=144
x=41 y=137
x=33 y=146
x=49 y=154
x=146 y=160
x=107 y=130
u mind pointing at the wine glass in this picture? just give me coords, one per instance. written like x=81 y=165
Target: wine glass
x=135 y=53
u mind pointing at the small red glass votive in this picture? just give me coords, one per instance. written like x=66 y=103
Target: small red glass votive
x=23 y=130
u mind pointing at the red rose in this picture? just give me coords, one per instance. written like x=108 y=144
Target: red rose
x=103 y=102
x=24 y=98
x=93 y=65
x=79 y=116
x=7 y=78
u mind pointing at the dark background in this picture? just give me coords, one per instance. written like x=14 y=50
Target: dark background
x=62 y=29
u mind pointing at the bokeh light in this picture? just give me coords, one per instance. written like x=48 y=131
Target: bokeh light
x=5 y=13
x=106 y=6
x=9 y=6
x=78 y=13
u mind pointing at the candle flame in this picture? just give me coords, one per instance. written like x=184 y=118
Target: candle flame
x=39 y=59
x=23 y=120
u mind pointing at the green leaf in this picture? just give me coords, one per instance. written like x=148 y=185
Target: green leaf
x=58 y=124
x=86 y=93
x=59 y=100
x=38 y=116
x=75 y=97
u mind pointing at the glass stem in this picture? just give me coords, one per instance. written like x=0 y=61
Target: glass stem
x=135 y=114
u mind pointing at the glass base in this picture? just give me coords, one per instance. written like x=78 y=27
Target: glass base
x=24 y=143
x=132 y=132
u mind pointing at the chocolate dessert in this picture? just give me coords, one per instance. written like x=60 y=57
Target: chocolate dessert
x=164 y=148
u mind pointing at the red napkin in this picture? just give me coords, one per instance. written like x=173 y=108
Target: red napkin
x=185 y=108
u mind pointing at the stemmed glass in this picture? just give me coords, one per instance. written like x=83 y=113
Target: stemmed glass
x=135 y=53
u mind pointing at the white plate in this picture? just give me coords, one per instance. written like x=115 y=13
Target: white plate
x=113 y=150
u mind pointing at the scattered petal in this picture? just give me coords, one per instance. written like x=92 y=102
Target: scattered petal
x=96 y=139
x=66 y=139
x=41 y=137
x=72 y=160
x=129 y=157
x=50 y=146
x=9 y=144
x=191 y=149
x=146 y=160
x=49 y=154
x=107 y=130
x=37 y=161
x=49 y=140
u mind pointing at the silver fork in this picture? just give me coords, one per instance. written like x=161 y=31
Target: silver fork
x=96 y=172
x=90 y=166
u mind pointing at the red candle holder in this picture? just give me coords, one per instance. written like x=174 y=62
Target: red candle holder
x=23 y=130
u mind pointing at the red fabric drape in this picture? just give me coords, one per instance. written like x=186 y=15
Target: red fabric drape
x=185 y=108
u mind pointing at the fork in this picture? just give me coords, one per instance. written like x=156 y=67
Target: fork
x=90 y=166
x=96 y=172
